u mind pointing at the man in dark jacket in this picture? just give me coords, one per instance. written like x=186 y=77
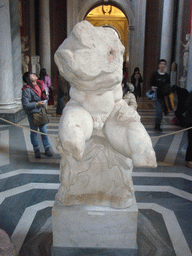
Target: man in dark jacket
x=188 y=121
x=160 y=82
x=182 y=95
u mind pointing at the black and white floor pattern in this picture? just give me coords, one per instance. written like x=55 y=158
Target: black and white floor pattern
x=28 y=187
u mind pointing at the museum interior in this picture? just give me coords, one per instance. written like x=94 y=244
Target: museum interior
x=31 y=33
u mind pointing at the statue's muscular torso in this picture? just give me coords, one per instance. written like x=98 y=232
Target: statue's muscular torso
x=98 y=104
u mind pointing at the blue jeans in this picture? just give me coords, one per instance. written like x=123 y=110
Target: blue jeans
x=159 y=111
x=33 y=135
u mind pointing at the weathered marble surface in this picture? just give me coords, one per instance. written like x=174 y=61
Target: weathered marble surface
x=100 y=136
x=103 y=177
x=94 y=227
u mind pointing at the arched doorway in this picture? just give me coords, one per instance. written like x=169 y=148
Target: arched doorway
x=135 y=18
x=111 y=16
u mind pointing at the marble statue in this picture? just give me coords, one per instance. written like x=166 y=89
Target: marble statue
x=25 y=58
x=186 y=46
x=186 y=52
x=38 y=66
x=25 y=63
x=24 y=40
x=100 y=137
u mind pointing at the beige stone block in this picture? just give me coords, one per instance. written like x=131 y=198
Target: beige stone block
x=94 y=227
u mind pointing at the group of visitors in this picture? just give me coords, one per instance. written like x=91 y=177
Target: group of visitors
x=160 y=88
x=35 y=95
x=160 y=84
x=160 y=92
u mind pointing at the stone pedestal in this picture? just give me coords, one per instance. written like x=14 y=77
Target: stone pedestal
x=14 y=115
x=94 y=227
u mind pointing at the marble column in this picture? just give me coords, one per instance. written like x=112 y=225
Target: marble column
x=72 y=14
x=131 y=41
x=32 y=27
x=6 y=67
x=167 y=31
x=16 y=50
x=44 y=42
x=139 y=35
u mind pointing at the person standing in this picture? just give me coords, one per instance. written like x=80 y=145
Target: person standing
x=160 y=82
x=136 y=80
x=125 y=70
x=188 y=121
x=62 y=88
x=45 y=78
x=46 y=85
x=182 y=95
x=33 y=100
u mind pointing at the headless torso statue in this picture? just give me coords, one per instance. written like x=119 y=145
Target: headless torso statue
x=186 y=54
x=25 y=58
x=100 y=136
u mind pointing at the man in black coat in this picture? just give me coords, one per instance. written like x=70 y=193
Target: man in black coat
x=160 y=82
x=188 y=121
x=182 y=95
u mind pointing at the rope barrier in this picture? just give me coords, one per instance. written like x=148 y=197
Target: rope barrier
x=53 y=136
x=171 y=133
x=26 y=128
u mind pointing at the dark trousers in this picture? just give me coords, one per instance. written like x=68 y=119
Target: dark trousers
x=188 y=156
x=60 y=102
x=179 y=114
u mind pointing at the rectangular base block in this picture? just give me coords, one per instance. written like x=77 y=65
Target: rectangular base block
x=60 y=251
x=94 y=227
x=13 y=115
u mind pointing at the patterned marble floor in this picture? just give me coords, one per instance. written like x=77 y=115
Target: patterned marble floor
x=164 y=195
